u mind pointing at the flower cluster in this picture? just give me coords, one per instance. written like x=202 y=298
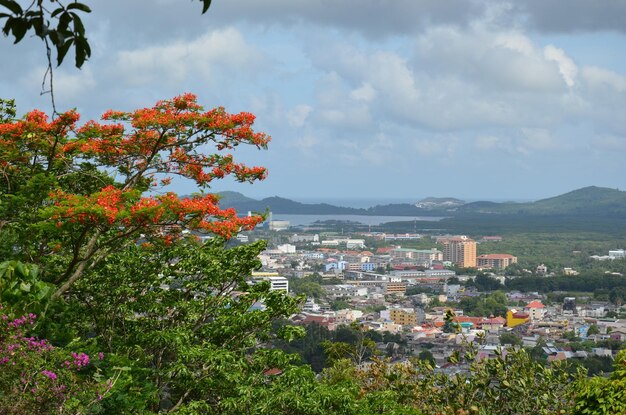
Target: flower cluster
x=113 y=207
x=34 y=374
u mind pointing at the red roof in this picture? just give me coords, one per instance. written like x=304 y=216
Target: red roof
x=494 y=320
x=535 y=304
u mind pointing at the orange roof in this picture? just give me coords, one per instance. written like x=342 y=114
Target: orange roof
x=535 y=304
x=494 y=320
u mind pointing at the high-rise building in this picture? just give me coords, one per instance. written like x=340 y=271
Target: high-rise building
x=460 y=250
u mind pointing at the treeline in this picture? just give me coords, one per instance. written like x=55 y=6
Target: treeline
x=589 y=283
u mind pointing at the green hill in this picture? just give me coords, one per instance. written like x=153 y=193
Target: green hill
x=587 y=201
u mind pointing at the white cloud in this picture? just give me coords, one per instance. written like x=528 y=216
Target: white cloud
x=604 y=80
x=298 y=115
x=363 y=93
x=567 y=67
x=174 y=62
x=536 y=139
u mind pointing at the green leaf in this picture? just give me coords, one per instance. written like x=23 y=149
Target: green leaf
x=205 y=6
x=19 y=29
x=62 y=50
x=78 y=24
x=56 y=12
x=79 y=6
x=24 y=286
x=12 y=5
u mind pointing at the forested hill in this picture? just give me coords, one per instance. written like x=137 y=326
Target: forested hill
x=588 y=201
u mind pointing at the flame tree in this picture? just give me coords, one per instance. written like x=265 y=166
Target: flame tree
x=70 y=194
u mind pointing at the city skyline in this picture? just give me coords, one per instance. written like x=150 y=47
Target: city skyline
x=474 y=99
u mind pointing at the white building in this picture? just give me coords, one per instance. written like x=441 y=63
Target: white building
x=355 y=243
x=287 y=248
x=310 y=306
x=617 y=254
x=277 y=283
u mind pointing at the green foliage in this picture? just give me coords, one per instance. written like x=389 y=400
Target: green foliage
x=7 y=110
x=510 y=338
x=21 y=290
x=485 y=305
x=308 y=286
x=484 y=282
x=581 y=283
x=449 y=325
x=593 y=329
x=356 y=345
x=339 y=304
x=599 y=395
x=427 y=356
x=188 y=320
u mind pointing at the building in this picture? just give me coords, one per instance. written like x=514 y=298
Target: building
x=395 y=288
x=617 y=254
x=515 y=318
x=403 y=316
x=306 y=238
x=287 y=248
x=355 y=243
x=495 y=261
x=459 y=250
x=279 y=225
x=276 y=283
x=425 y=255
x=402 y=237
x=536 y=310
x=310 y=306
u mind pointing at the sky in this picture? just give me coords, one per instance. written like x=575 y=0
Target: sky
x=404 y=99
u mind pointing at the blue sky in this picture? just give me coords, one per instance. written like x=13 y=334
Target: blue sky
x=366 y=99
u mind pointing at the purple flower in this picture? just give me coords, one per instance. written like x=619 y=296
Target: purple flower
x=49 y=374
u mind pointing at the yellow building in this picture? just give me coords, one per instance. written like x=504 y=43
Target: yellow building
x=395 y=288
x=403 y=316
x=460 y=250
x=515 y=318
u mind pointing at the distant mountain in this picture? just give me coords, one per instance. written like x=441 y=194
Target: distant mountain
x=228 y=198
x=281 y=205
x=588 y=201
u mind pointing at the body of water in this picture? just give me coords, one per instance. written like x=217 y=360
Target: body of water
x=303 y=220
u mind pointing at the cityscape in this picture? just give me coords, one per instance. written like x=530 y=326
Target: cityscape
x=369 y=278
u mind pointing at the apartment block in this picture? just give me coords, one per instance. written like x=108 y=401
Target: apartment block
x=495 y=261
x=403 y=316
x=460 y=250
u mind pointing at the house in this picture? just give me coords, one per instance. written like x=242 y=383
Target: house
x=515 y=318
x=618 y=334
x=493 y=324
x=536 y=310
